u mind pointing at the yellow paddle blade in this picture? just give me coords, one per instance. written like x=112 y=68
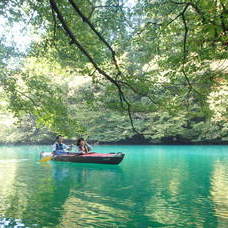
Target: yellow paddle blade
x=45 y=159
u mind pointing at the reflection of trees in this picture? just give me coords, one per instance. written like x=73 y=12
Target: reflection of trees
x=90 y=200
x=12 y=195
x=219 y=191
x=29 y=195
x=173 y=187
x=42 y=190
x=7 y=179
x=156 y=189
x=47 y=194
x=28 y=190
x=155 y=184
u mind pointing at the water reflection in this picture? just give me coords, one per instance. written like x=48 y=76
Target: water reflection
x=7 y=180
x=219 y=191
x=178 y=191
x=153 y=187
x=41 y=193
x=77 y=184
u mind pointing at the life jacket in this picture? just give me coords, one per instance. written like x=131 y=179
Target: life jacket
x=59 y=147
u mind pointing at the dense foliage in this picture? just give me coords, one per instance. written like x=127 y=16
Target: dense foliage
x=114 y=69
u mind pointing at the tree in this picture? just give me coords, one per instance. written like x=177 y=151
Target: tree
x=154 y=56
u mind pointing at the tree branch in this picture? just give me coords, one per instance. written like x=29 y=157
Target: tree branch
x=194 y=6
x=77 y=43
x=87 y=21
x=185 y=36
x=70 y=34
x=137 y=92
x=191 y=88
x=55 y=23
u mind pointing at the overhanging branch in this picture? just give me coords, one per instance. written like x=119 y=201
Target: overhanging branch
x=101 y=38
x=74 y=41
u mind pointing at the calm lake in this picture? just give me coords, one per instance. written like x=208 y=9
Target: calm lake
x=154 y=186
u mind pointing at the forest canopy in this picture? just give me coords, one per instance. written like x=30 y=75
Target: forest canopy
x=112 y=69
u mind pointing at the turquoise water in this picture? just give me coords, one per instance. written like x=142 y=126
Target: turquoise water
x=154 y=186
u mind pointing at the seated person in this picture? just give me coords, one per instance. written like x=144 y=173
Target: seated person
x=83 y=146
x=59 y=147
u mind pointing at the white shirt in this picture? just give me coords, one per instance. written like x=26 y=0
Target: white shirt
x=89 y=148
x=65 y=147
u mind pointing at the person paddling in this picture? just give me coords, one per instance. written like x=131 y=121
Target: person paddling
x=83 y=146
x=59 y=147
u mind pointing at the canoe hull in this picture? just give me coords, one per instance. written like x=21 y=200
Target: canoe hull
x=112 y=158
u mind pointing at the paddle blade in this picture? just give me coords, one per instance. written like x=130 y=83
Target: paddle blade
x=45 y=159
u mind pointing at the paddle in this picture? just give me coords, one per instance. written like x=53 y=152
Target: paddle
x=45 y=159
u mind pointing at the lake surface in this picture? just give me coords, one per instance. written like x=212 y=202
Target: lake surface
x=154 y=186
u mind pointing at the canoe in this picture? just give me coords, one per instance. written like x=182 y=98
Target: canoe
x=92 y=157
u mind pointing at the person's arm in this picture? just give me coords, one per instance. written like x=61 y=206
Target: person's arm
x=66 y=147
x=54 y=147
x=89 y=147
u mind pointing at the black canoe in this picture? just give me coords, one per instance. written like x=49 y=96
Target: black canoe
x=111 y=158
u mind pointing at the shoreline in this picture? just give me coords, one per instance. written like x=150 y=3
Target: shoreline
x=202 y=143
